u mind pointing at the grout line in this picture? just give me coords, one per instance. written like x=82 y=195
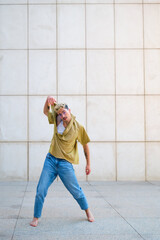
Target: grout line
x=86 y=57
x=56 y=51
x=80 y=95
x=86 y=90
x=115 y=99
x=92 y=141
x=39 y=4
x=144 y=77
x=27 y=92
x=19 y=211
x=57 y=54
x=89 y=183
x=73 y=49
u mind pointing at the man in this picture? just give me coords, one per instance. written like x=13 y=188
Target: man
x=62 y=154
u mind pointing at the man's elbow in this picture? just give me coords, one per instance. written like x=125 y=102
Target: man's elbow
x=85 y=146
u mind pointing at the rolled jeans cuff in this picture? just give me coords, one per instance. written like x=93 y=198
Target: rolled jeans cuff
x=82 y=203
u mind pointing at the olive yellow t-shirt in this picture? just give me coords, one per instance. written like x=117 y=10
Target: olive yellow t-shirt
x=65 y=146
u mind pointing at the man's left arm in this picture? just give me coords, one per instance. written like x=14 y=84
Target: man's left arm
x=87 y=155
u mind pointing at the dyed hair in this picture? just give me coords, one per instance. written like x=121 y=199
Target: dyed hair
x=60 y=105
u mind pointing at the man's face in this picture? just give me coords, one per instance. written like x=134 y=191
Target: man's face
x=65 y=114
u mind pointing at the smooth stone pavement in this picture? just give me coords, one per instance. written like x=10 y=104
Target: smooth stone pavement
x=122 y=210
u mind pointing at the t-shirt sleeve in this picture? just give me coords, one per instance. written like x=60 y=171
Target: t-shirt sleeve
x=83 y=136
x=51 y=117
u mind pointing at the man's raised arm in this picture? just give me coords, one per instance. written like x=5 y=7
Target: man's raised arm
x=49 y=101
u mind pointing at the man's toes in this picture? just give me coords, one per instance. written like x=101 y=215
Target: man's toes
x=34 y=224
x=91 y=219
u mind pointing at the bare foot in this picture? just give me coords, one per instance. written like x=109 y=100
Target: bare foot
x=89 y=215
x=34 y=222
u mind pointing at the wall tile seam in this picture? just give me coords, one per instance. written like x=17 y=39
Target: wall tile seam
x=56 y=52
x=86 y=58
x=39 y=4
x=77 y=49
x=92 y=141
x=81 y=95
x=144 y=77
x=115 y=98
x=27 y=95
x=145 y=129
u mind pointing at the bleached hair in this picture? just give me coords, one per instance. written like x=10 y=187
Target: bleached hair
x=60 y=105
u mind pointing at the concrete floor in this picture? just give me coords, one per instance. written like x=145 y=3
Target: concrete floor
x=122 y=210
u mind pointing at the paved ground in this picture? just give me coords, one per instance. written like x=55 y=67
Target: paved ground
x=123 y=211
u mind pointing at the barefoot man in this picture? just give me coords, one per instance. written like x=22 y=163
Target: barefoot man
x=62 y=154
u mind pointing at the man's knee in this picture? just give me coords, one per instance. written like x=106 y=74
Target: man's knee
x=78 y=194
x=41 y=191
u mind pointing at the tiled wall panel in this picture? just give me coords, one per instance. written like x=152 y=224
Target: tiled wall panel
x=13 y=26
x=13 y=161
x=99 y=56
x=131 y=161
x=13 y=72
x=128 y=26
x=42 y=26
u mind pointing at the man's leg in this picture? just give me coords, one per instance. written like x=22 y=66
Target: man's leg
x=48 y=175
x=68 y=177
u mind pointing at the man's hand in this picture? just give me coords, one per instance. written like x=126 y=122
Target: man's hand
x=51 y=100
x=88 y=169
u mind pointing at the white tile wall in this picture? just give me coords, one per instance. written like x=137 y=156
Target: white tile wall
x=13 y=73
x=99 y=56
x=130 y=161
x=128 y=26
x=39 y=127
x=13 y=27
x=151 y=25
x=42 y=72
x=13 y=118
x=71 y=26
x=100 y=72
x=13 y=164
x=37 y=155
x=153 y=163
x=101 y=118
x=130 y=118
x=42 y=26
x=102 y=162
x=71 y=72
x=153 y=118
x=152 y=71
x=100 y=26
x=130 y=79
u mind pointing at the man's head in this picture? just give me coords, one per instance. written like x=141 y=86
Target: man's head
x=63 y=111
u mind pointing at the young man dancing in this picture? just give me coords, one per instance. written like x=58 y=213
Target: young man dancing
x=62 y=154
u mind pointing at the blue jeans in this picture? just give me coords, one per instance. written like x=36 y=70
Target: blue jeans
x=53 y=167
